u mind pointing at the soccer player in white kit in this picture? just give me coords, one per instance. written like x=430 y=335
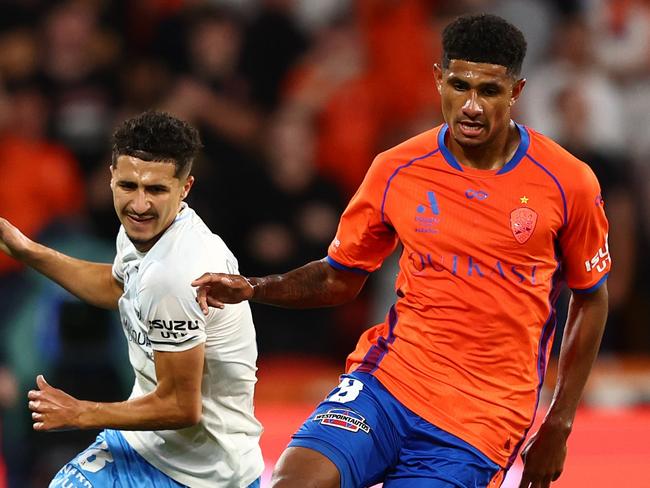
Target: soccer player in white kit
x=189 y=420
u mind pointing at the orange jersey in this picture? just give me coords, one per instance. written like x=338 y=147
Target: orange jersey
x=485 y=254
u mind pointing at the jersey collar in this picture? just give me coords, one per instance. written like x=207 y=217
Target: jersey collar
x=509 y=166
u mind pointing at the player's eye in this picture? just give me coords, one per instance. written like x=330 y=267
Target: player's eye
x=126 y=185
x=491 y=91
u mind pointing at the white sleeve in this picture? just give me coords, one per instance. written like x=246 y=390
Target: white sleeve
x=175 y=321
x=118 y=262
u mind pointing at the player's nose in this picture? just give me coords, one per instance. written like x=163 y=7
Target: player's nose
x=140 y=203
x=472 y=106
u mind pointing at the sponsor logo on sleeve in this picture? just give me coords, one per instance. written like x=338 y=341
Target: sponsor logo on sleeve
x=600 y=260
x=343 y=418
x=173 y=328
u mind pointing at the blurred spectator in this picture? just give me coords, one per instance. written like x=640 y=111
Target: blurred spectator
x=77 y=75
x=622 y=45
x=41 y=180
x=214 y=95
x=272 y=44
x=571 y=65
x=364 y=87
x=622 y=50
x=41 y=184
x=403 y=42
x=295 y=217
x=613 y=171
x=533 y=18
x=18 y=55
x=331 y=84
x=8 y=398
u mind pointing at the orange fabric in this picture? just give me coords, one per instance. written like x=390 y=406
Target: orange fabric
x=348 y=130
x=402 y=46
x=40 y=181
x=466 y=343
x=395 y=87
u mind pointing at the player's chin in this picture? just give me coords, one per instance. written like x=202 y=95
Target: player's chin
x=139 y=238
x=471 y=142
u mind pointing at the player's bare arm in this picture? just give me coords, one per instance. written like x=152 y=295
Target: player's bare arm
x=174 y=404
x=316 y=284
x=544 y=454
x=92 y=282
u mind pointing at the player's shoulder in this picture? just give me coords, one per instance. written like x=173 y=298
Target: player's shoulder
x=186 y=253
x=570 y=172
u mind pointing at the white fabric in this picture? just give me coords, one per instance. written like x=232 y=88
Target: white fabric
x=159 y=312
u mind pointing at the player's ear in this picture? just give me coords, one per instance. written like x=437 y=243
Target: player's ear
x=111 y=169
x=517 y=88
x=187 y=186
x=437 y=76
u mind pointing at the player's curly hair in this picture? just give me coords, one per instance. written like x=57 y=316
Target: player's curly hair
x=484 y=38
x=157 y=136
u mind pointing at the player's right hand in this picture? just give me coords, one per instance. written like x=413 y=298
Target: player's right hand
x=217 y=289
x=12 y=241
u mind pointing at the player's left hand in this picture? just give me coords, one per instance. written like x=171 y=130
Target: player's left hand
x=543 y=457
x=52 y=409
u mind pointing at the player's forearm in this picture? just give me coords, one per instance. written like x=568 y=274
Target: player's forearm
x=91 y=282
x=148 y=412
x=582 y=336
x=310 y=286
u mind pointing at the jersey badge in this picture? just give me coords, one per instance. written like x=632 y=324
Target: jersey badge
x=343 y=418
x=522 y=223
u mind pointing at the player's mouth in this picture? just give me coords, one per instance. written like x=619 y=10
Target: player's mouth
x=470 y=128
x=140 y=220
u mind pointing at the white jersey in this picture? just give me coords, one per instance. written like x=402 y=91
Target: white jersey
x=159 y=312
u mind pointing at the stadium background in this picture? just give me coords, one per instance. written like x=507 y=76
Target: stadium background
x=293 y=99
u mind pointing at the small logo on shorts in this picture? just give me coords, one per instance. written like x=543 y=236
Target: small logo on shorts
x=343 y=419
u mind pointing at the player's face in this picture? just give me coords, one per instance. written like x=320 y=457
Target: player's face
x=476 y=100
x=147 y=197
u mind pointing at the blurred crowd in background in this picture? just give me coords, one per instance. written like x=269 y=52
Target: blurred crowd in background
x=293 y=99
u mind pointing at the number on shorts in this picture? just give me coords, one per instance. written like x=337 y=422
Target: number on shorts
x=100 y=455
x=349 y=389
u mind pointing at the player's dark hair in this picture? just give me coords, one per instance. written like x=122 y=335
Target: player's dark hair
x=159 y=137
x=484 y=38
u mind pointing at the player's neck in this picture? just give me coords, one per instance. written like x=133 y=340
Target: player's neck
x=490 y=156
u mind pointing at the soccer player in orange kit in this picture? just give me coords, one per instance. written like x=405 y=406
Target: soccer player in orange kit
x=493 y=218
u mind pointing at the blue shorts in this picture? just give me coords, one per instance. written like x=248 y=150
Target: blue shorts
x=111 y=462
x=371 y=437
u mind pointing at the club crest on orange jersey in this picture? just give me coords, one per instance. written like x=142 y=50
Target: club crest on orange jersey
x=522 y=223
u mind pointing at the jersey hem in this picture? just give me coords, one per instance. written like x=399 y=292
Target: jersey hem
x=591 y=289
x=336 y=265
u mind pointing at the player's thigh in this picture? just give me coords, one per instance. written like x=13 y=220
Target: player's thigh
x=355 y=429
x=434 y=458
x=300 y=467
